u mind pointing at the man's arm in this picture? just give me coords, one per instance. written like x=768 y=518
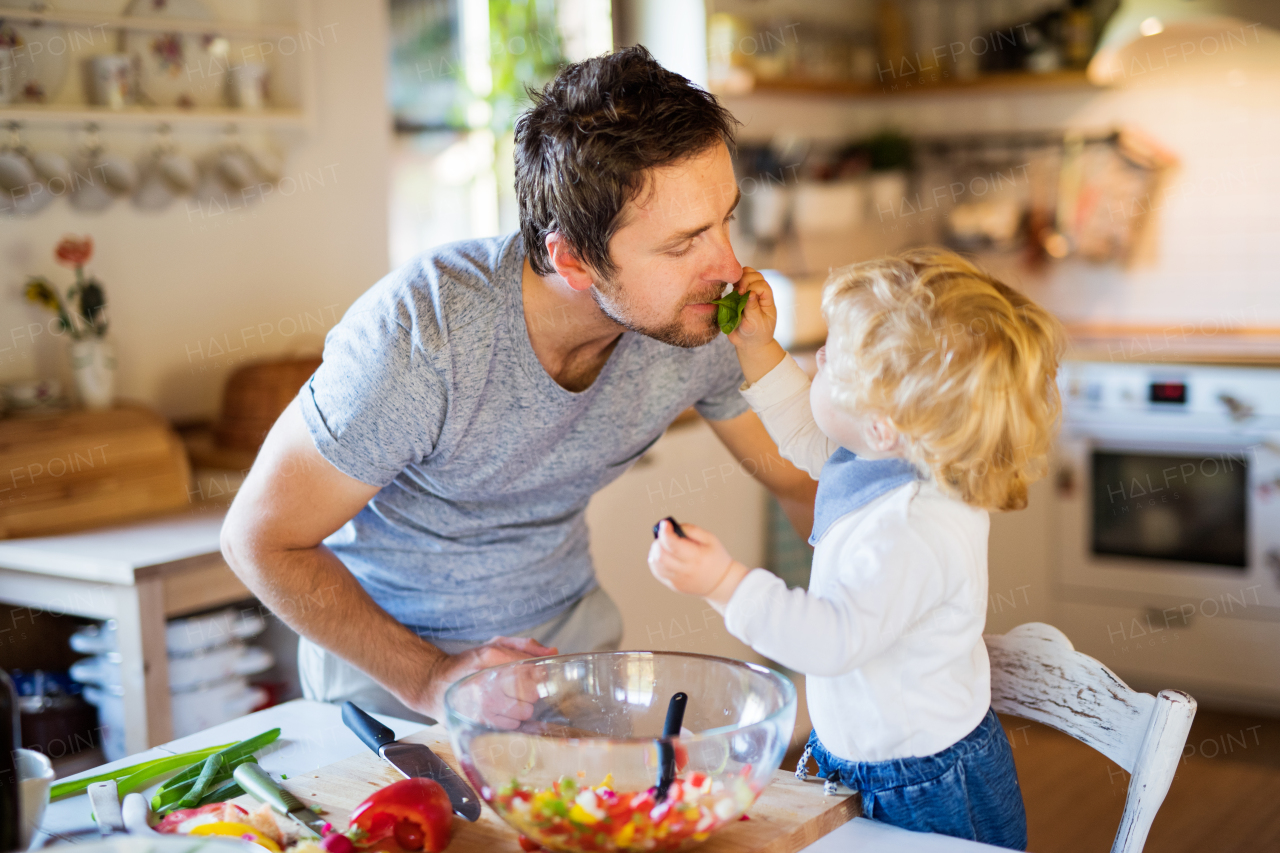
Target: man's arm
x=292 y=499
x=747 y=439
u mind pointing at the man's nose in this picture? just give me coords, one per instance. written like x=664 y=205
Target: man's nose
x=725 y=266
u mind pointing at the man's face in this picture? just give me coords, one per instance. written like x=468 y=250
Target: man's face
x=672 y=252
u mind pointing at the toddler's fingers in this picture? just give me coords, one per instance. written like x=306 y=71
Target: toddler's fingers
x=753 y=282
x=698 y=535
x=667 y=535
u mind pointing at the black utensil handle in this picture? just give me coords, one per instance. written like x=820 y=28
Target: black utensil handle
x=371 y=732
x=675 y=525
x=666 y=751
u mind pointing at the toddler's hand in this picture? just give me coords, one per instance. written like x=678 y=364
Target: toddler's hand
x=761 y=317
x=696 y=565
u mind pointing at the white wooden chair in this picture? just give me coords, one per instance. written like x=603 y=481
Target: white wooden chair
x=1038 y=675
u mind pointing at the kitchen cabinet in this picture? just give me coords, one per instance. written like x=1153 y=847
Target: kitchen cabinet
x=139 y=575
x=689 y=475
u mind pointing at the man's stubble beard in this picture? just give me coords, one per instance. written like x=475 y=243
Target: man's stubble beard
x=605 y=294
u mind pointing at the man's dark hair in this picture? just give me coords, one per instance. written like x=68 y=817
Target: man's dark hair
x=583 y=149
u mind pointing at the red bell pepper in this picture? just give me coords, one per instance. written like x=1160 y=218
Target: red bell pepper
x=416 y=811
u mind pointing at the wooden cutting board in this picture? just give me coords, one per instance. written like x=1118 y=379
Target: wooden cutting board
x=789 y=816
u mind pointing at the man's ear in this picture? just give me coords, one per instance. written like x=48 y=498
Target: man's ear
x=882 y=436
x=567 y=264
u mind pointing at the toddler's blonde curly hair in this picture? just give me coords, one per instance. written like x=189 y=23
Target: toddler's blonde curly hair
x=963 y=365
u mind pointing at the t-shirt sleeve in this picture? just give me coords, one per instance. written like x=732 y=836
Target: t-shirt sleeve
x=374 y=405
x=722 y=399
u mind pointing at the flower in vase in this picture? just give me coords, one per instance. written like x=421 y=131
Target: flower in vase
x=83 y=312
x=39 y=292
x=74 y=252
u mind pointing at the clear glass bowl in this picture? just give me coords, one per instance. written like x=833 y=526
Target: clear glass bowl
x=566 y=749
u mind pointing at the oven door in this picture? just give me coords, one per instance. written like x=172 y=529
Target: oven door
x=1173 y=520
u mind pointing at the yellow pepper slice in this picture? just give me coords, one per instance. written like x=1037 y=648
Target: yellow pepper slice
x=236 y=830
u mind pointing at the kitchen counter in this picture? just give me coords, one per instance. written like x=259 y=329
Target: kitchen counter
x=313 y=735
x=138 y=574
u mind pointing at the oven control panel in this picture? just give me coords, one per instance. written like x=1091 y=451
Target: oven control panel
x=1166 y=396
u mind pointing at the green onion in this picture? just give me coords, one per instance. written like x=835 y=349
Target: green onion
x=223 y=792
x=230 y=755
x=171 y=794
x=155 y=767
x=212 y=765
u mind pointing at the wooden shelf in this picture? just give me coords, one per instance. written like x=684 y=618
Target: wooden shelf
x=1010 y=82
x=164 y=25
x=1206 y=342
x=137 y=115
x=296 y=89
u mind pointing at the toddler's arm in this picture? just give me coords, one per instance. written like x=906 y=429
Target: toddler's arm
x=885 y=587
x=777 y=388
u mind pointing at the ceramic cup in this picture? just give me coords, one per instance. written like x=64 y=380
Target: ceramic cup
x=236 y=168
x=110 y=80
x=35 y=775
x=53 y=169
x=180 y=172
x=247 y=86
x=17 y=179
x=164 y=176
x=99 y=178
x=16 y=171
x=8 y=77
x=53 y=178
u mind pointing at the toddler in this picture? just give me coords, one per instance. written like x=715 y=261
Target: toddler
x=934 y=402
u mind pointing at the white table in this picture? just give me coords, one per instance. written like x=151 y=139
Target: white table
x=313 y=735
x=138 y=574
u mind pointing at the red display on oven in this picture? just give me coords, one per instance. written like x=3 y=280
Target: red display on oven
x=1168 y=392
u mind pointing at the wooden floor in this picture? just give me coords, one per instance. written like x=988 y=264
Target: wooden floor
x=1225 y=797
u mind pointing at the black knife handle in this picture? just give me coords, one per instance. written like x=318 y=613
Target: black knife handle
x=371 y=732
x=666 y=752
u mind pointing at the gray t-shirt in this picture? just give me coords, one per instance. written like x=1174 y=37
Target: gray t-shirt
x=431 y=390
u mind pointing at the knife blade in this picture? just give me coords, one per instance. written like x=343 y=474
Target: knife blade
x=414 y=760
x=256 y=781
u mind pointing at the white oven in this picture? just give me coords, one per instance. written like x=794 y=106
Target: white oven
x=1167 y=523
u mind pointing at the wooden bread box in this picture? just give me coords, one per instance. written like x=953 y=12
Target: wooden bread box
x=81 y=469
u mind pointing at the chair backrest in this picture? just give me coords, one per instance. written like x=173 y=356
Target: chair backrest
x=1037 y=674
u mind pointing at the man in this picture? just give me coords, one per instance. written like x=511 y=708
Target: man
x=426 y=489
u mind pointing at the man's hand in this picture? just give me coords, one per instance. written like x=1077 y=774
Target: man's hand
x=505 y=703
x=695 y=565
x=758 y=352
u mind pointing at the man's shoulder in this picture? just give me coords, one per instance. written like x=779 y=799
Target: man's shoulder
x=447 y=289
x=455 y=272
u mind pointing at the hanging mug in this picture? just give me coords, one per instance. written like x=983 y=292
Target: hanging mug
x=111 y=82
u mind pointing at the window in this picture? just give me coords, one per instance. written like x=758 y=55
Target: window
x=459 y=69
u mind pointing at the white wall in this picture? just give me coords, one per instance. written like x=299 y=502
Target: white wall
x=187 y=283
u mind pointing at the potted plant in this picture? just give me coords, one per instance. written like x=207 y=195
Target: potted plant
x=83 y=315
